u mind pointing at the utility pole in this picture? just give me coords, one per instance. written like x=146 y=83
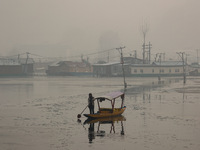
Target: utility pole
x=156 y=57
x=135 y=54
x=122 y=62
x=181 y=54
x=163 y=56
x=150 y=46
x=159 y=55
x=198 y=56
x=160 y=70
x=18 y=58
x=143 y=53
x=108 y=56
x=26 y=63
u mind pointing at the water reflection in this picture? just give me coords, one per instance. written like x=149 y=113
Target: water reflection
x=20 y=92
x=101 y=123
x=149 y=87
x=144 y=92
x=91 y=134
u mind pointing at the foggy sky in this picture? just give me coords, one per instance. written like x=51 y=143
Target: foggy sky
x=69 y=27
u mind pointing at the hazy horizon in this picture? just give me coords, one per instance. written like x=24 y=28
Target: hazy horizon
x=65 y=28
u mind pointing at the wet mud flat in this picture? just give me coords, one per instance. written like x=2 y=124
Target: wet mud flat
x=167 y=117
x=41 y=113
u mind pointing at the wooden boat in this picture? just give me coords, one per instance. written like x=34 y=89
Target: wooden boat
x=108 y=112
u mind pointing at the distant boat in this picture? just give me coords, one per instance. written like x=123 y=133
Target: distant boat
x=109 y=112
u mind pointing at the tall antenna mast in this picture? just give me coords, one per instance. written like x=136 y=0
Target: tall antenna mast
x=144 y=30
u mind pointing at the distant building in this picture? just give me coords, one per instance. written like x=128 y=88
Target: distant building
x=69 y=68
x=165 y=68
x=27 y=65
x=110 y=69
x=194 y=69
x=41 y=67
x=134 y=67
x=15 y=67
x=132 y=60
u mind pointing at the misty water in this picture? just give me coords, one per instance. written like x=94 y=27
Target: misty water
x=41 y=113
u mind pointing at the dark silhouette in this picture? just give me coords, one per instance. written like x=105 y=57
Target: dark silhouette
x=91 y=103
x=91 y=134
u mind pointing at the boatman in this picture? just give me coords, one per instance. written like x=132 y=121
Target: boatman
x=91 y=103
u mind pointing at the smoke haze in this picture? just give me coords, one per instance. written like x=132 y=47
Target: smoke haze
x=71 y=27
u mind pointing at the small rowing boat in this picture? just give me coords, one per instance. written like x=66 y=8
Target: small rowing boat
x=112 y=110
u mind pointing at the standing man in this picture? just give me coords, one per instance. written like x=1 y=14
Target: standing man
x=91 y=103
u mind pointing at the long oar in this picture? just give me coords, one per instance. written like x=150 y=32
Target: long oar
x=79 y=115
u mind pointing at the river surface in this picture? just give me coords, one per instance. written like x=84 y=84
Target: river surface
x=40 y=113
